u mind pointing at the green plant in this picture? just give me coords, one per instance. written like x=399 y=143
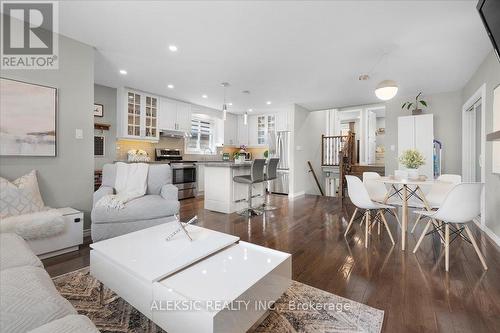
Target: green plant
x=416 y=104
x=412 y=159
x=266 y=154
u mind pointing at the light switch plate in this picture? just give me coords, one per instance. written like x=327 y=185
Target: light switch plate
x=393 y=147
x=78 y=133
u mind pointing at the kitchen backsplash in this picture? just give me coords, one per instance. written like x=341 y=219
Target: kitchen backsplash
x=123 y=146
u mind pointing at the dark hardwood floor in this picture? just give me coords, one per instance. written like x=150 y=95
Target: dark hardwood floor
x=415 y=292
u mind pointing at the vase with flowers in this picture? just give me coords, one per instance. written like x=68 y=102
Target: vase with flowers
x=412 y=159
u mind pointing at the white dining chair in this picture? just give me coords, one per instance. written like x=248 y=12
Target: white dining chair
x=378 y=191
x=360 y=198
x=437 y=194
x=461 y=205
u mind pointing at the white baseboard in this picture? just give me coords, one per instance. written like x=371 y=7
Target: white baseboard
x=488 y=232
x=295 y=195
x=86 y=232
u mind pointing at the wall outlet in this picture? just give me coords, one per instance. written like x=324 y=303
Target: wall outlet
x=393 y=147
x=78 y=133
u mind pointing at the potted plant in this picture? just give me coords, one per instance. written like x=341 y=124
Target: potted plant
x=415 y=105
x=412 y=159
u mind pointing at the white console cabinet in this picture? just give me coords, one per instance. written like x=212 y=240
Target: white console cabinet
x=67 y=241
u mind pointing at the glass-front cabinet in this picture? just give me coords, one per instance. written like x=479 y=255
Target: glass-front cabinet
x=137 y=115
x=265 y=125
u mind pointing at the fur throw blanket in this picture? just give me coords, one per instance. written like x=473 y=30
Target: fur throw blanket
x=34 y=225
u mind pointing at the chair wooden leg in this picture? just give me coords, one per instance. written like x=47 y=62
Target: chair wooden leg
x=474 y=244
x=447 y=247
x=378 y=224
x=397 y=217
x=350 y=222
x=387 y=228
x=367 y=225
x=416 y=222
x=422 y=236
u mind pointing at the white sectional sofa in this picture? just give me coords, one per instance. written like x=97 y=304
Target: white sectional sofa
x=29 y=301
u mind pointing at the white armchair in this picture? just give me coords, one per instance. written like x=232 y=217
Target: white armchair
x=156 y=207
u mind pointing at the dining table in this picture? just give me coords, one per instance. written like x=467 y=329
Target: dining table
x=406 y=189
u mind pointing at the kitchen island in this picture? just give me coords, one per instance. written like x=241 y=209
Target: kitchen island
x=224 y=195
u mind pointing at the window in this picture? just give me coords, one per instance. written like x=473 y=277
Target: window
x=201 y=140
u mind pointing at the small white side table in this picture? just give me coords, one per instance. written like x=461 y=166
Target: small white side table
x=67 y=241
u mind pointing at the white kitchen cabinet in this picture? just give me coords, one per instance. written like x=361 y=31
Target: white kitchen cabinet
x=175 y=115
x=137 y=115
x=184 y=116
x=231 y=130
x=200 y=178
x=258 y=128
x=283 y=121
x=242 y=132
x=417 y=132
x=168 y=114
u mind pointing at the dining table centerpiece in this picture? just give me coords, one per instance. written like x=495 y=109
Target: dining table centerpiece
x=412 y=159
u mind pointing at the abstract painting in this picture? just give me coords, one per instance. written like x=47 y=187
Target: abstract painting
x=27 y=119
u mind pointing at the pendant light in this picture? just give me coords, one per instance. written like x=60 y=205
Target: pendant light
x=224 y=105
x=245 y=118
x=386 y=90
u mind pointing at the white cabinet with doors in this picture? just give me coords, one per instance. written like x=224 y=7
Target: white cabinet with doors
x=242 y=133
x=417 y=132
x=258 y=128
x=231 y=130
x=283 y=121
x=175 y=115
x=137 y=115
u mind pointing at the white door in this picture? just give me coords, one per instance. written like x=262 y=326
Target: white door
x=168 y=114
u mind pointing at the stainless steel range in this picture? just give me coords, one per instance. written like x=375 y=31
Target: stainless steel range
x=183 y=172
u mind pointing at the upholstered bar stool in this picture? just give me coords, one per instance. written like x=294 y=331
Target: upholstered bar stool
x=270 y=175
x=256 y=176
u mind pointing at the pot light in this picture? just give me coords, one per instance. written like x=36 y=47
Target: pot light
x=172 y=48
x=204 y=96
x=123 y=72
x=250 y=110
x=230 y=104
x=386 y=90
x=170 y=86
x=268 y=102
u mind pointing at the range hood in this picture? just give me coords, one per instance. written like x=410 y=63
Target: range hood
x=173 y=133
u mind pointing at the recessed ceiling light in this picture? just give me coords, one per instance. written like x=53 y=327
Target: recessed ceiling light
x=170 y=86
x=172 y=48
x=250 y=110
x=230 y=104
x=268 y=102
x=123 y=72
x=204 y=96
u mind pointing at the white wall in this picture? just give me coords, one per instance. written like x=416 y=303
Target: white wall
x=67 y=179
x=306 y=146
x=488 y=73
x=447 y=110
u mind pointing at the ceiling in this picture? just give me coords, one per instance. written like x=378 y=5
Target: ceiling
x=305 y=52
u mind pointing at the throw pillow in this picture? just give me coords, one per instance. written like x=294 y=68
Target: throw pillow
x=20 y=196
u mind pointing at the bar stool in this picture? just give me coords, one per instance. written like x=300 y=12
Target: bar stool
x=256 y=176
x=270 y=175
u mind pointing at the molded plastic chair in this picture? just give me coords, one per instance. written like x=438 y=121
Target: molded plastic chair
x=461 y=205
x=256 y=176
x=437 y=193
x=361 y=199
x=378 y=191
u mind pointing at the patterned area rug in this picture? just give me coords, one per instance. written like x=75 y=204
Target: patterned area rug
x=320 y=311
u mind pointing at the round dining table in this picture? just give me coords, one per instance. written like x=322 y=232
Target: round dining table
x=405 y=189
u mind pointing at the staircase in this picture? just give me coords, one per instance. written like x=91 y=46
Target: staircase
x=338 y=159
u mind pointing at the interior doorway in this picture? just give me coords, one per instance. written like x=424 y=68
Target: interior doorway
x=474 y=142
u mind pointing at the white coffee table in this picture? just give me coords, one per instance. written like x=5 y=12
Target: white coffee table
x=153 y=274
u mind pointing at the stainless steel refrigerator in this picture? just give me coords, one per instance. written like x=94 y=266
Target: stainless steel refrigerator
x=279 y=146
